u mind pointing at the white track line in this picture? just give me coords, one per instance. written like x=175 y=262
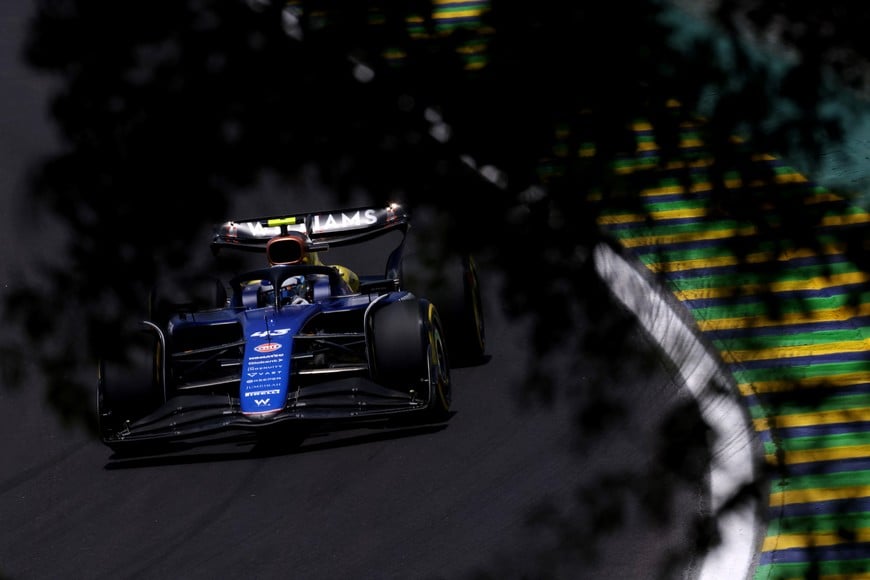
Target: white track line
x=734 y=443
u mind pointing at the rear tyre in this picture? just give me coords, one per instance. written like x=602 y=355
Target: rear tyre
x=459 y=299
x=409 y=353
x=185 y=295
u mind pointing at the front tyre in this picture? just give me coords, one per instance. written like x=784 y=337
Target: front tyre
x=438 y=366
x=127 y=389
x=409 y=352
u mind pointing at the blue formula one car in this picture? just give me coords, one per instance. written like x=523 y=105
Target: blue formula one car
x=294 y=346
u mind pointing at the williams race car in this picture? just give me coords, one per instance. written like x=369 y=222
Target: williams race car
x=293 y=346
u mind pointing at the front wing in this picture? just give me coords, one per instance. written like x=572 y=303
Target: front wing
x=347 y=402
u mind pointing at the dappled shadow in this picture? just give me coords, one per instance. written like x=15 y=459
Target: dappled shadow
x=519 y=153
x=247 y=447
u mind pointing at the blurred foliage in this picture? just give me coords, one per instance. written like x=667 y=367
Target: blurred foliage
x=168 y=111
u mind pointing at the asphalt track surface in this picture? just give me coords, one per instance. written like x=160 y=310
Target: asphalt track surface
x=428 y=502
x=498 y=489
x=788 y=317
x=505 y=488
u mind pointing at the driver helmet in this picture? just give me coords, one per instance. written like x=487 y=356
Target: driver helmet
x=294 y=290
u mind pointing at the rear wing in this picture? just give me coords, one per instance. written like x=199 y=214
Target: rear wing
x=324 y=229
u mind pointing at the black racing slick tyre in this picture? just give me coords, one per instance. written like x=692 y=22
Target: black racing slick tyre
x=459 y=300
x=127 y=390
x=410 y=352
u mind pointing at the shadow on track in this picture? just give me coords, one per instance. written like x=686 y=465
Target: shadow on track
x=248 y=447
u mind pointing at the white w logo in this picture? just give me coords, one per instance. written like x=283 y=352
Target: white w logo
x=262 y=402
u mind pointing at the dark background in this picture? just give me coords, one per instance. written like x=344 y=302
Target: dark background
x=169 y=117
x=128 y=132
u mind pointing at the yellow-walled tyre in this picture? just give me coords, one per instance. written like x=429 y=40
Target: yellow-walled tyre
x=441 y=386
x=409 y=352
x=458 y=296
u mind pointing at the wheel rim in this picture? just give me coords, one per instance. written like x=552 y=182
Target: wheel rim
x=438 y=362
